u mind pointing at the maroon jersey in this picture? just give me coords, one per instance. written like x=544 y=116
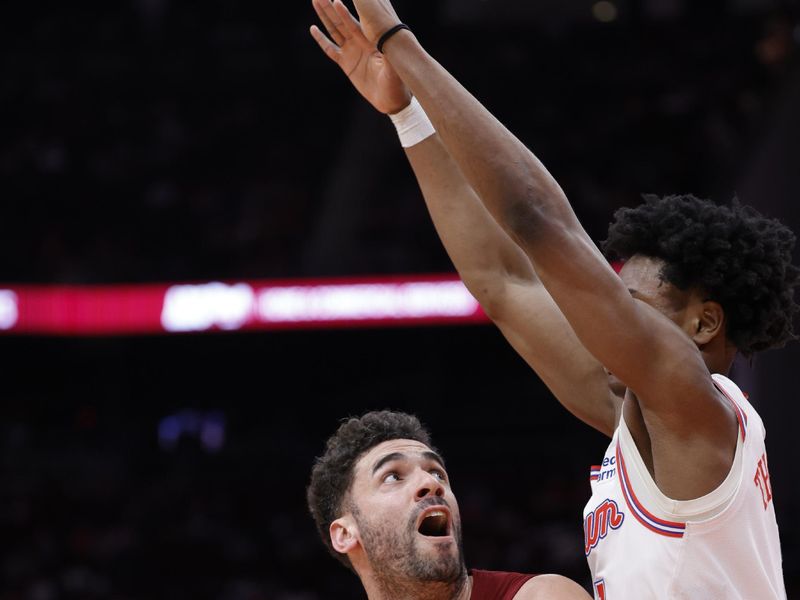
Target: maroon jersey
x=496 y=585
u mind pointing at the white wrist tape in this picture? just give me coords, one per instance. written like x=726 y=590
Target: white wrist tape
x=412 y=124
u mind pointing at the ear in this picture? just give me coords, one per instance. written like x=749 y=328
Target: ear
x=709 y=322
x=344 y=534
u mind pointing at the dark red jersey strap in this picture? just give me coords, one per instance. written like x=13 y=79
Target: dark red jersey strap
x=496 y=585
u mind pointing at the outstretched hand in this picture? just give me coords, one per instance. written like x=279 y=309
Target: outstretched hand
x=350 y=48
x=376 y=16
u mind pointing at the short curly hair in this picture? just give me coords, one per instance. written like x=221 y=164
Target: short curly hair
x=333 y=472
x=740 y=258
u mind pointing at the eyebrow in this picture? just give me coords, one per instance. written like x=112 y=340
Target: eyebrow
x=428 y=454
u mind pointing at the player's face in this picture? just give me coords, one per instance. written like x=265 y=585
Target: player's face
x=642 y=276
x=408 y=519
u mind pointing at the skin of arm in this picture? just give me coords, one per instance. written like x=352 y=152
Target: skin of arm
x=551 y=587
x=500 y=276
x=660 y=364
x=495 y=270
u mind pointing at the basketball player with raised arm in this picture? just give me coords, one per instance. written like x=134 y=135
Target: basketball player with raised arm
x=682 y=504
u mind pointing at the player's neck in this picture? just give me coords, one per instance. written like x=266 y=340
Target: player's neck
x=718 y=356
x=417 y=590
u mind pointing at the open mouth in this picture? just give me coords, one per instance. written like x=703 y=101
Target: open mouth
x=435 y=523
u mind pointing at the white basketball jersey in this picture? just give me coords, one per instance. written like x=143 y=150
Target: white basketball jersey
x=722 y=546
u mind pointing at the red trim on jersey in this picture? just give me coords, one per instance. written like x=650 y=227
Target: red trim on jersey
x=636 y=507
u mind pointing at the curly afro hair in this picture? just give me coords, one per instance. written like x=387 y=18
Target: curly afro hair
x=740 y=258
x=333 y=472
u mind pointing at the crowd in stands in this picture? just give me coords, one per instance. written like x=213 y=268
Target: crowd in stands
x=162 y=140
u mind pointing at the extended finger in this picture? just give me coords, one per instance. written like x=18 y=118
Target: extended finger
x=334 y=18
x=349 y=25
x=328 y=47
x=333 y=30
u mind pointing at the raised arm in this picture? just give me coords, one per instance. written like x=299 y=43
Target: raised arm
x=502 y=279
x=655 y=359
x=495 y=270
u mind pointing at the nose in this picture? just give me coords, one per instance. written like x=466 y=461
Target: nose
x=428 y=485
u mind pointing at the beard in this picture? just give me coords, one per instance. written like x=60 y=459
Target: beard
x=399 y=555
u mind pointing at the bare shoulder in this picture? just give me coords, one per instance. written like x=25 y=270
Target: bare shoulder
x=551 y=587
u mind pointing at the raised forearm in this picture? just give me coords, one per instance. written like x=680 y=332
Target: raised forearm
x=500 y=276
x=527 y=203
x=480 y=250
x=513 y=184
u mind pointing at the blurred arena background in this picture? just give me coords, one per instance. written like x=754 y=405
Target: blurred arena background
x=167 y=141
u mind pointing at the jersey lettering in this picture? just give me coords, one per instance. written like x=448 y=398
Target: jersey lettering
x=608 y=468
x=761 y=479
x=597 y=522
x=600 y=589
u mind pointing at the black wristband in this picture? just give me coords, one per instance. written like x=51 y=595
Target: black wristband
x=388 y=34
